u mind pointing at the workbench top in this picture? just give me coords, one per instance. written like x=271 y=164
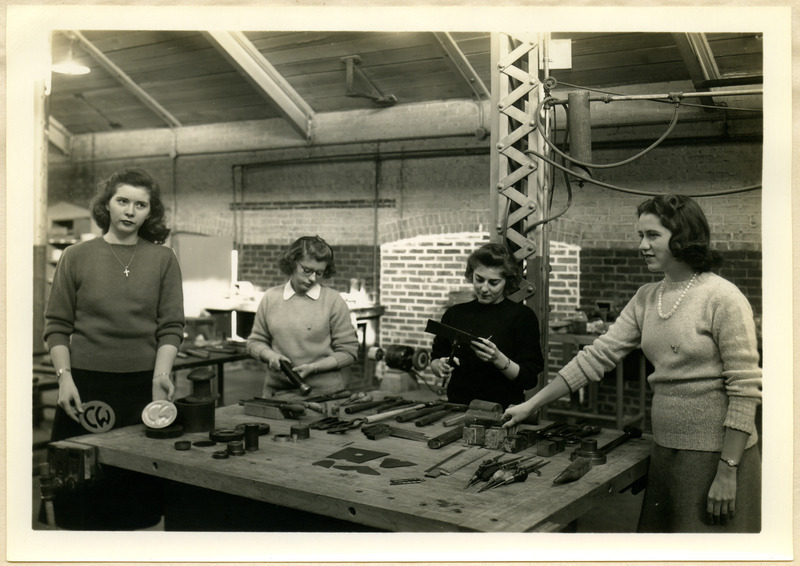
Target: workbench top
x=285 y=473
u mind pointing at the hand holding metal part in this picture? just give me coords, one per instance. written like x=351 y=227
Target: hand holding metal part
x=294 y=377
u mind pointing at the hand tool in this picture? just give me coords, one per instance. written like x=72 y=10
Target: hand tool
x=589 y=455
x=324 y=423
x=446 y=438
x=391 y=414
x=382 y=430
x=367 y=405
x=489 y=468
x=513 y=474
x=397 y=405
x=294 y=377
x=404 y=481
x=449 y=333
x=454 y=336
x=464 y=459
x=453 y=421
x=272 y=408
x=360 y=397
x=432 y=417
x=418 y=413
x=481 y=468
x=341 y=394
x=433 y=471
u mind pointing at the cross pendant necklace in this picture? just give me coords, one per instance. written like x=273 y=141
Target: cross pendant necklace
x=125 y=270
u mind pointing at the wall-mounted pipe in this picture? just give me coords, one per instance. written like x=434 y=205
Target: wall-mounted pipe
x=580 y=130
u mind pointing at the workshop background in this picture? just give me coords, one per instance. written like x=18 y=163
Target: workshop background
x=394 y=171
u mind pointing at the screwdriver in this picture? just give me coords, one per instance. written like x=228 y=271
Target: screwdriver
x=516 y=474
x=492 y=466
x=482 y=467
x=503 y=477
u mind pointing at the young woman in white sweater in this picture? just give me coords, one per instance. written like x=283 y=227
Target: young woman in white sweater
x=304 y=323
x=698 y=331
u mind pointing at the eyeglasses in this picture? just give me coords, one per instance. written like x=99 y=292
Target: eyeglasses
x=307 y=271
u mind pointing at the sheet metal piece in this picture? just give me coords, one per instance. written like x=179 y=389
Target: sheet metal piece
x=357 y=455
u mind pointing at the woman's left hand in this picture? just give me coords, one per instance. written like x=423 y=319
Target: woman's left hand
x=721 y=506
x=305 y=370
x=163 y=388
x=485 y=349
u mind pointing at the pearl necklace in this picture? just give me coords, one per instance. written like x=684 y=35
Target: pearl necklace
x=678 y=303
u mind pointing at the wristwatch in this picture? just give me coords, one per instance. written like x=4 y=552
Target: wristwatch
x=61 y=371
x=731 y=463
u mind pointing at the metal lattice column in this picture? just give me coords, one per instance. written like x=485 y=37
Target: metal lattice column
x=519 y=193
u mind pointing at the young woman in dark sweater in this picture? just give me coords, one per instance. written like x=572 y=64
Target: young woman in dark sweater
x=508 y=357
x=113 y=324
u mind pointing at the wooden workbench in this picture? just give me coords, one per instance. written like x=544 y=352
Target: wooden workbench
x=284 y=473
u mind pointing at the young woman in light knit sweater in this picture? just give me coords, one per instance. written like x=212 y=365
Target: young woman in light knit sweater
x=698 y=331
x=113 y=324
x=304 y=323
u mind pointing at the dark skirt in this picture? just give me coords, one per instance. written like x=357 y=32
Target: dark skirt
x=676 y=497
x=121 y=499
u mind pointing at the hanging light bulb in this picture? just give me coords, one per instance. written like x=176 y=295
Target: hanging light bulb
x=69 y=66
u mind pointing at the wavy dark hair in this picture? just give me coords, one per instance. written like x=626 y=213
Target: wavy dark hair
x=154 y=228
x=496 y=256
x=691 y=235
x=307 y=246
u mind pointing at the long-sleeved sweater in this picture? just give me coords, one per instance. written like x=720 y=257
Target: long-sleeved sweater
x=514 y=328
x=706 y=375
x=108 y=321
x=304 y=329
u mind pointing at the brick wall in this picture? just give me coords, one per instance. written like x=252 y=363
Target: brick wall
x=258 y=263
x=565 y=278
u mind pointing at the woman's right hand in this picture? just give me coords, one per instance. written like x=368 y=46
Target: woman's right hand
x=442 y=368
x=515 y=414
x=68 y=397
x=273 y=360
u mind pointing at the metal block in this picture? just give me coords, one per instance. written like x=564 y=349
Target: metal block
x=519 y=441
x=474 y=435
x=494 y=437
x=551 y=446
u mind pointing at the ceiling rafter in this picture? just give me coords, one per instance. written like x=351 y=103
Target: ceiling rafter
x=457 y=58
x=252 y=64
x=120 y=75
x=59 y=136
x=699 y=60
